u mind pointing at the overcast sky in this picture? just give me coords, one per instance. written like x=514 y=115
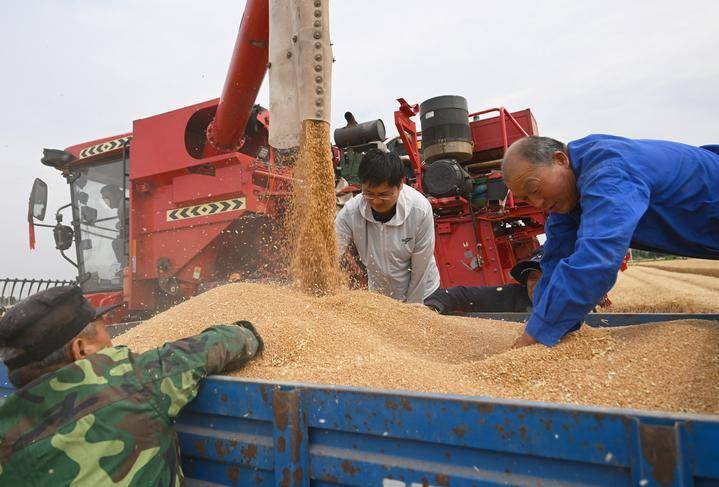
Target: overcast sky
x=75 y=71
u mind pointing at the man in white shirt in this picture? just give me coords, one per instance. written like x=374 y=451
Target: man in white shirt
x=392 y=227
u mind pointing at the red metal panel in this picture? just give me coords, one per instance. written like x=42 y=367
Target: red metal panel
x=197 y=188
x=158 y=145
x=487 y=133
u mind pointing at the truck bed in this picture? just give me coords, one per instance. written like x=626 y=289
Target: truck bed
x=244 y=432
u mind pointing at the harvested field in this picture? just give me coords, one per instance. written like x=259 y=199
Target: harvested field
x=667 y=286
x=362 y=339
x=703 y=267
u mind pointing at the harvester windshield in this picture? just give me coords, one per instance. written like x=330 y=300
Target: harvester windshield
x=100 y=200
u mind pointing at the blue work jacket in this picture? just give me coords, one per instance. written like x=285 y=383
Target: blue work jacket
x=645 y=194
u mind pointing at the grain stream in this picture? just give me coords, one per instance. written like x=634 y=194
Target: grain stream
x=314 y=266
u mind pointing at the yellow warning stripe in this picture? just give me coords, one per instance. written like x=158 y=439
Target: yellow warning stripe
x=212 y=208
x=108 y=146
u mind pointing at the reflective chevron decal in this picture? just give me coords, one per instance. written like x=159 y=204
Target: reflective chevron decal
x=108 y=146
x=212 y=208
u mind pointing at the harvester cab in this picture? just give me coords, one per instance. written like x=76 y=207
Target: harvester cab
x=99 y=202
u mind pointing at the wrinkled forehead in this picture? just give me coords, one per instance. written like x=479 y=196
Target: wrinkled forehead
x=516 y=170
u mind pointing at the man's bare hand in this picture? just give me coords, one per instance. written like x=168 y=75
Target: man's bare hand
x=524 y=341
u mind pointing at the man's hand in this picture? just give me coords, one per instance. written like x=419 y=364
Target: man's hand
x=524 y=341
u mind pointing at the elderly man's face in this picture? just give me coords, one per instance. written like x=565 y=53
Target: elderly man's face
x=552 y=187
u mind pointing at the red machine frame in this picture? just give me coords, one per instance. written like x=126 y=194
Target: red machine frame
x=469 y=249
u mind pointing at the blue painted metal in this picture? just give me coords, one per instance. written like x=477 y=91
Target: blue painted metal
x=240 y=432
x=609 y=319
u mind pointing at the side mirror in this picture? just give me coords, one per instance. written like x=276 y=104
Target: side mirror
x=63 y=237
x=38 y=199
x=88 y=215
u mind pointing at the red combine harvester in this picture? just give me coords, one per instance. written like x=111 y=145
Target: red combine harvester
x=183 y=200
x=192 y=196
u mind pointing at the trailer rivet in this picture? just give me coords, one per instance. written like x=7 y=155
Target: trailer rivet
x=294 y=38
x=318 y=68
x=318 y=102
x=318 y=45
x=289 y=54
x=317 y=35
x=318 y=3
x=318 y=57
x=318 y=114
x=318 y=79
x=318 y=13
x=319 y=90
x=317 y=23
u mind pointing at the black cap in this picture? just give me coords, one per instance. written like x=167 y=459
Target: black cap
x=46 y=321
x=520 y=272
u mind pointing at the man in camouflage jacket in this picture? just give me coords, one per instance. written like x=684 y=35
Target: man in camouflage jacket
x=105 y=416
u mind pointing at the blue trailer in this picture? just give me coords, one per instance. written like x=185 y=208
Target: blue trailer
x=245 y=432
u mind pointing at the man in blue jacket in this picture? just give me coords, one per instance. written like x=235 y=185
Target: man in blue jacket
x=604 y=195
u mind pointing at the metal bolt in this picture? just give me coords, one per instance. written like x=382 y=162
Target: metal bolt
x=318 y=114
x=318 y=67
x=317 y=35
x=318 y=102
x=318 y=57
x=317 y=23
x=319 y=90
x=294 y=38
x=318 y=13
x=318 y=79
x=318 y=3
x=318 y=45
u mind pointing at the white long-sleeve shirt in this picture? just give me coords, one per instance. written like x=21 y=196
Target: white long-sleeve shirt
x=399 y=254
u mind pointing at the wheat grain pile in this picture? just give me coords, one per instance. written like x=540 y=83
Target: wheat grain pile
x=680 y=286
x=314 y=266
x=362 y=339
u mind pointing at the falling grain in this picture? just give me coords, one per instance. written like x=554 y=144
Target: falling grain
x=314 y=265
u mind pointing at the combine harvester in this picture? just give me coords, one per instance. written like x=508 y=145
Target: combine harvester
x=190 y=196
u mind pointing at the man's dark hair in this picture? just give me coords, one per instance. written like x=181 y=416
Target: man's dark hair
x=538 y=150
x=379 y=167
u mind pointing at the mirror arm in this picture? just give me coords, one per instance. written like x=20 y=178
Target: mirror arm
x=58 y=216
x=62 y=252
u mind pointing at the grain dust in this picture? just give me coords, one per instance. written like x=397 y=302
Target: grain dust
x=358 y=338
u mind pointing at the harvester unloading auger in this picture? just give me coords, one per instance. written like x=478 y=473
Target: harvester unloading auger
x=196 y=196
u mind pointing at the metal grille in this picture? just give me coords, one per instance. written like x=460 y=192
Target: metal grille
x=13 y=290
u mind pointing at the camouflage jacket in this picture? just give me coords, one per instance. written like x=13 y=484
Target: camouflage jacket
x=107 y=419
